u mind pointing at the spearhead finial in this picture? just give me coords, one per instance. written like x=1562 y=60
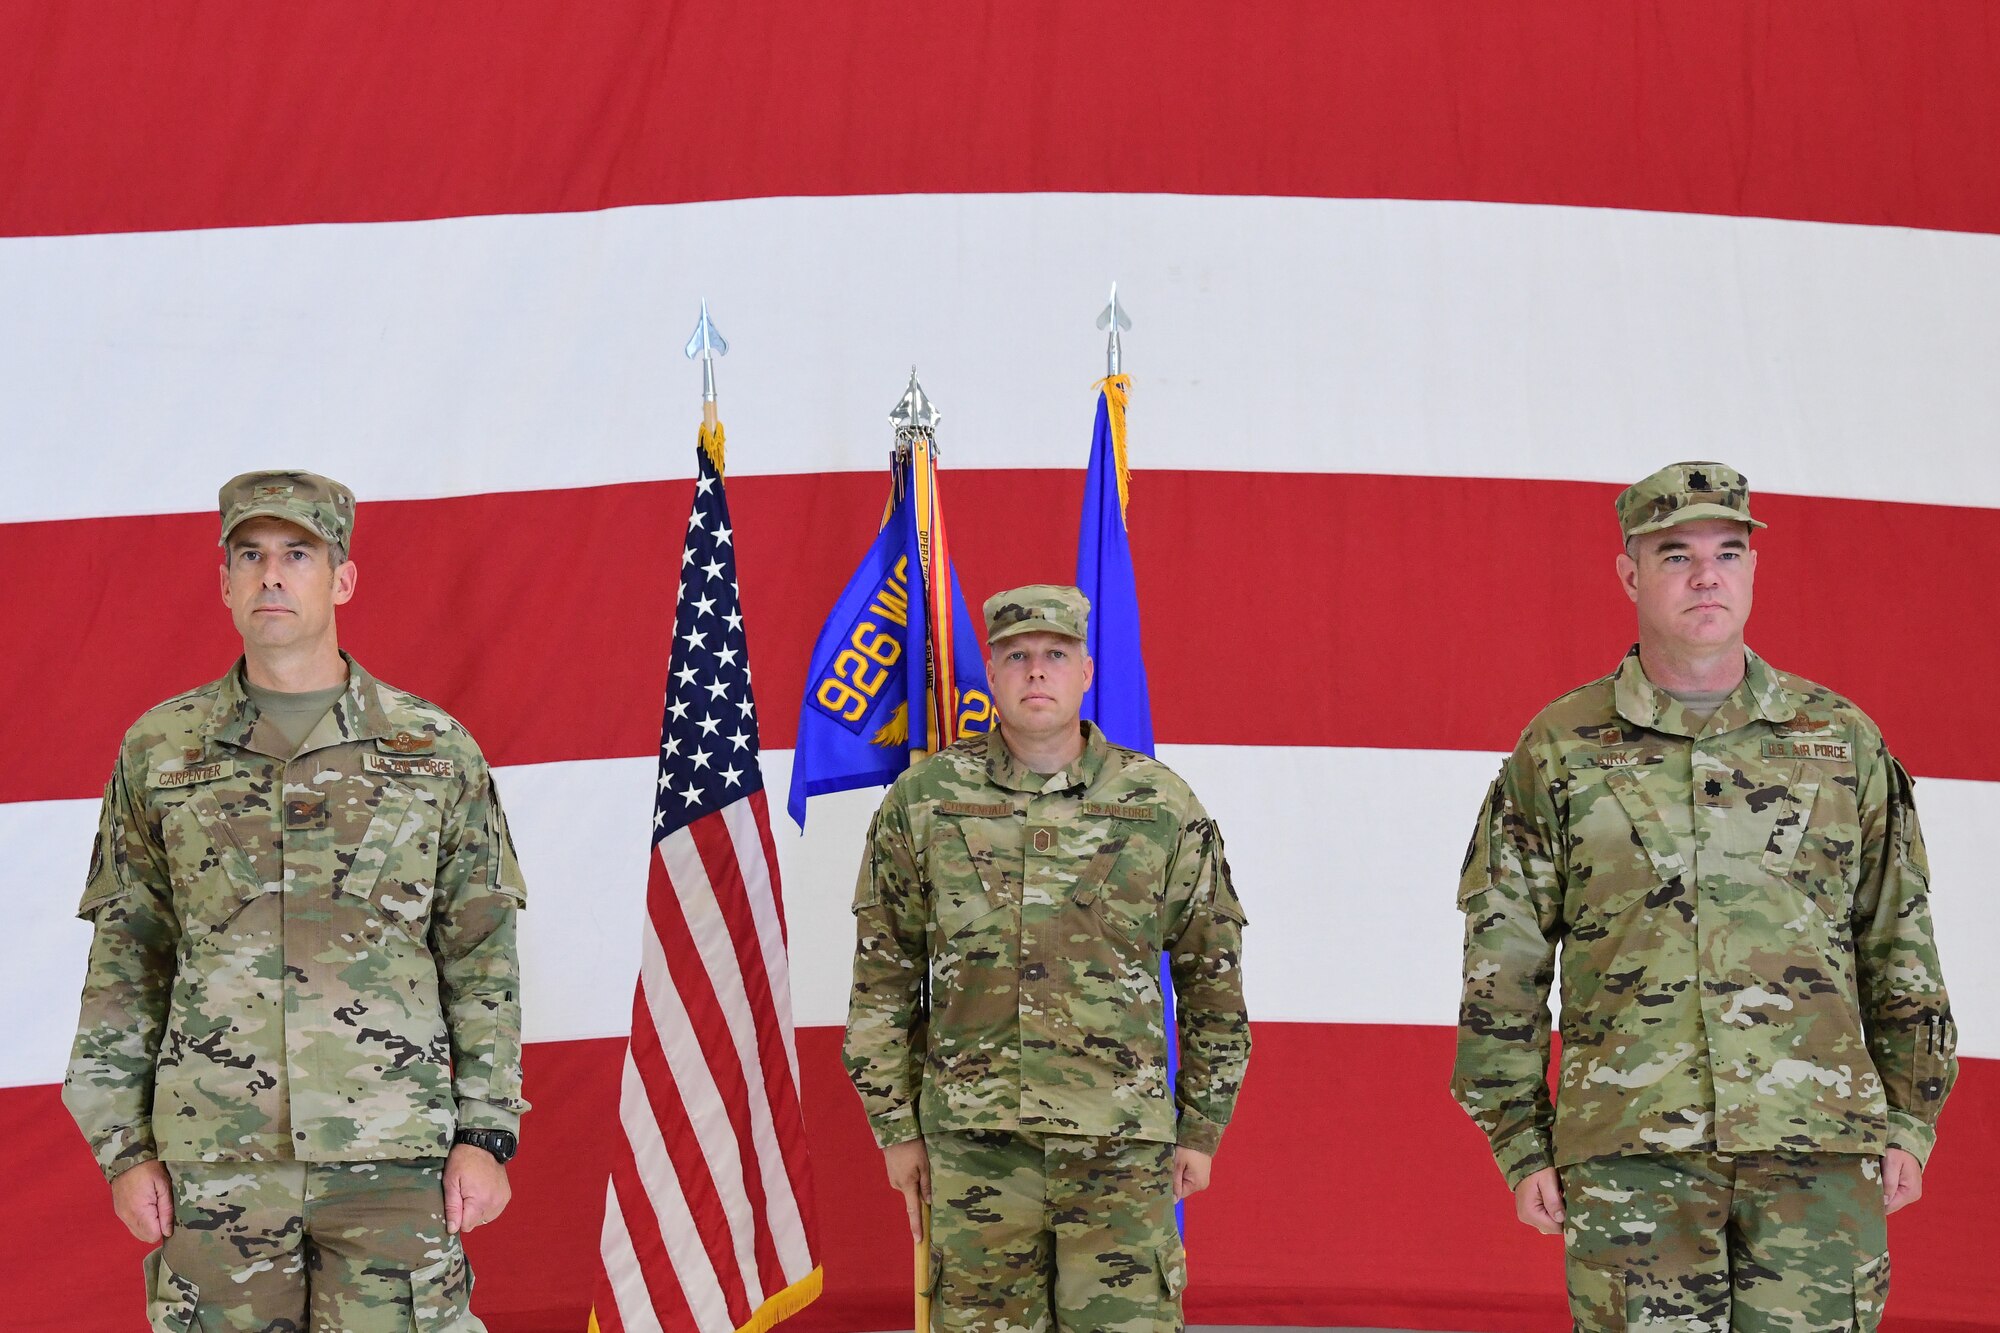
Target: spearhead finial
x=914 y=411
x=706 y=345
x=1113 y=318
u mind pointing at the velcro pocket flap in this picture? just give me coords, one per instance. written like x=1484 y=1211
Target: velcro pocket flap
x=985 y=856
x=1790 y=830
x=209 y=823
x=387 y=827
x=1648 y=822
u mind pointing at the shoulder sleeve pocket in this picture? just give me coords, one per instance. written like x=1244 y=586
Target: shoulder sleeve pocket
x=1475 y=873
x=102 y=883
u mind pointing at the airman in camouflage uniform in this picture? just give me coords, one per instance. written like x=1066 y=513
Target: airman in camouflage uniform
x=1756 y=1040
x=303 y=994
x=1006 y=1030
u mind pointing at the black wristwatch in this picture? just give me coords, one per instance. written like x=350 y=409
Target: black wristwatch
x=499 y=1142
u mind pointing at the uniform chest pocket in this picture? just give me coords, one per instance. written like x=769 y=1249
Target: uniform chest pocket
x=1121 y=886
x=971 y=876
x=394 y=866
x=1812 y=844
x=211 y=874
x=1623 y=850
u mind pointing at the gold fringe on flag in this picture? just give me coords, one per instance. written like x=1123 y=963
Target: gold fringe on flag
x=781 y=1306
x=786 y=1303
x=1117 y=389
x=711 y=444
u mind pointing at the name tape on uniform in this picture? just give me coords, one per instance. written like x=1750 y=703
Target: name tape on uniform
x=427 y=767
x=1795 y=748
x=187 y=777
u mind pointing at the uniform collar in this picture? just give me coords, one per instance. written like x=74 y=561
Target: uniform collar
x=359 y=714
x=1759 y=695
x=1007 y=771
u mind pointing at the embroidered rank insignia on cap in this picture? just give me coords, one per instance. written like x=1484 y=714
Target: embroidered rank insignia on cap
x=187 y=777
x=408 y=742
x=974 y=808
x=1841 y=752
x=1147 y=813
x=427 y=767
x=270 y=493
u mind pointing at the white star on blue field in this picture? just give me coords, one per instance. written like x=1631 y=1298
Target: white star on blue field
x=708 y=738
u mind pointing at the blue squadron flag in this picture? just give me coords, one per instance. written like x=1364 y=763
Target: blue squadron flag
x=1117 y=700
x=870 y=697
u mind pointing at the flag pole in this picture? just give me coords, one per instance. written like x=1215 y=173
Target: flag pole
x=915 y=420
x=706 y=345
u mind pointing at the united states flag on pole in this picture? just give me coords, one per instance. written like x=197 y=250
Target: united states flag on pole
x=708 y=1222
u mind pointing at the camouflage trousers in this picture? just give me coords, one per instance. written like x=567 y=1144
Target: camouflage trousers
x=1709 y=1243
x=309 y=1247
x=1033 y=1232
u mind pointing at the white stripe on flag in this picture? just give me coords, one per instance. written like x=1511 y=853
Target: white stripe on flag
x=712 y=941
x=1387 y=878
x=707 y=1115
x=741 y=821
x=677 y=1226
x=621 y=1261
x=1464 y=338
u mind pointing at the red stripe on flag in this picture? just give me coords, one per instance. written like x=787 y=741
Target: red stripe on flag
x=725 y=878
x=1397 y=579
x=607 y=1309
x=1439 y=1248
x=670 y=1105
x=642 y=1225
x=373 y=110
x=761 y=808
x=709 y=1025
x=726 y=874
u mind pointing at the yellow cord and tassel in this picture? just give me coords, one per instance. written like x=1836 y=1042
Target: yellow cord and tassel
x=1117 y=390
x=711 y=443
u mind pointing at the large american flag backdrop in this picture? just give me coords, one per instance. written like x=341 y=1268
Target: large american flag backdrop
x=1417 y=285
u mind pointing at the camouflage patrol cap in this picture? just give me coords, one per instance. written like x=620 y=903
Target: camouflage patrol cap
x=1684 y=493
x=320 y=505
x=1048 y=608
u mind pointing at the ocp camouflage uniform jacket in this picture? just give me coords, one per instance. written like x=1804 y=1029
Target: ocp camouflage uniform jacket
x=1742 y=912
x=306 y=958
x=1038 y=909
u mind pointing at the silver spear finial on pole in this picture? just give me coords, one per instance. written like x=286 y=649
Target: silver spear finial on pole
x=1113 y=318
x=914 y=413
x=706 y=345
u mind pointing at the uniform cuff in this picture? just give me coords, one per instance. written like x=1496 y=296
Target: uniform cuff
x=1522 y=1156
x=485 y=1115
x=1915 y=1137
x=123 y=1151
x=1198 y=1132
x=894 y=1127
